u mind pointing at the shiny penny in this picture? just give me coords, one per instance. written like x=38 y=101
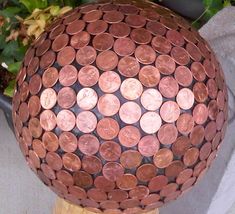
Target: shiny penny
x=185 y=98
x=168 y=87
x=126 y=182
x=66 y=97
x=108 y=105
x=47 y=120
x=71 y=162
x=109 y=81
x=130 y=112
x=145 y=54
x=185 y=123
x=86 y=55
x=180 y=55
x=86 y=121
x=68 y=142
x=167 y=134
x=130 y=159
x=128 y=66
x=170 y=111
x=48 y=98
x=80 y=40
x=163 y=158
x=200 y=113
x=103 y=41
x=50 y=77
x=183 y=76
x=165 y=64
x=124 y=46
x=151 y=99
x=87 y=98
x=88 y=75
x=146 y=172
x=68 y=75
x=149 y=76
x=150 y=122
x=65 y=120
x=148 y=145
x=88 y=144
x=107 y=60
x=112 y=171
x=131 y=89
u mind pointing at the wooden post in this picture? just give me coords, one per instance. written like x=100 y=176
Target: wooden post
x=64 y=207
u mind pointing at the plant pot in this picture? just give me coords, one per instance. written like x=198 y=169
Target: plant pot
x=6 y=106
x=191 y=9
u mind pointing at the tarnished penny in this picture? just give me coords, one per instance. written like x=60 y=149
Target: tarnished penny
x=197 y=135
x=68 y=142
x=128 y=66
x=71 y=162
x=107 y=128
x=87 y=98
x=65 y=120
x=140 y=36
x=174 y=169
x=131 y=88
x=185 y=123
x=48 y=98
x=135 y=21
x=150 y=122
x=86 y=121
x=145 y=54
x=103 y=41
x=151 y=99
x=50 y=77
x=88 y=75
x=66 y=56
x=35 y=84
x=165 y=64
x=110 y=150
x=34 y=105
x=106 y=185
x=163 y=158
x=175 y=37
x=181 y=145
x=80 y=40
x=107 y=60
x=112 y=171
x=108 y=105
x=91 y=164
x=60 y=42
x=75 y=27
x=161 y=44
x=124 y=46
x=119 y=30
x=129 y=136
x=109 y=81
x=88 y=144
x=183 y=76
x=148 y=145
x=92 y=15
x=130 y=159
x=86 y=55
x=126 y=182
x=146 y=172
x=130 y=112
x=168 y=87
x=68 y=75
x=113 y=17
x=156 y=28
x=97 y=27
x=185 y=98
x=82 y=179
x=157 y=183
x=167 y=134
x=149 y=76
x=170 y=111
x=66 y=97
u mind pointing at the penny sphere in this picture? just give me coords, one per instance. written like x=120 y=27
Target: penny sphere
x=120 y=106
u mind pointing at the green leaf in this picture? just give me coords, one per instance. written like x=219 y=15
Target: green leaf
x=14 y=67
x=2 y=41
x=10 y=49
x=9 y=12
x=33 y=4
x=9 y=90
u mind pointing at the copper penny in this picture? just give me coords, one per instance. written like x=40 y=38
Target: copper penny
x=35 y=84
x=117 y=195
x=34 y=106
x=108 y=104
x=107 y=128
x=92 y=15
x=129 y=203
x=212 y=88
x=33 y=160
x=97 y=27
x=23 y=112
x=128 y=66
x=48 y=98
x=68 y=142
x=87 y=8
x=174 y=169
x=131 y=88
x=54 y=160
x=88 y=144
x=65 y=120
x=150 y=122
x=183 y=76
x=26 y=136
x=80 y=40
x=139 y=192
x=150 y=199
x=103 y=41
x=47 y=120
x=129 y=9
x=96 y=195
x=43 y=48
x=148 y=145
x=209 y=68
x=113 y=17
x=185 y=98
x=199 y=168
x=157 y=183
x=161 y=44
x=50 y=141
x=188 y=184
x=135 y=21
x=48 y=171
x=194 y=52
x=169 y=23
x=60 y=42
x=77 y=191
x=181 y=145
x=66 y=56
x=149 y=76
x=180 y=55
x=112 y=171
x=140 y=36
x=68 y=75
x=163 y=158
x=33 y=66
x=185 y=123
x=170 y=111
x=200 y=113
x=145 y=54
x=146 y=172
x=191 y=156
x=86 y=121
x=75 y=27
x=66 y=97
x=184 y=176
x=82 y=179
x=91 y=164
x=109 y=81
x=165 y=64
x=110 y=150
x=197 y=135
x=168 y=87
x=198 y=71
x=126 y=182
x=167 y=134
x=50 y=77
x=24 y=91
x=175 y=37
x=88 y=75
x=86 y=55
x=106 y=185
x=210 y=130
x=156 y=28
x=220 y=120
x=124 y=46
x=130 y=159
x=151 y=99
x=107 y=60
x=119 y=30
x=65 y=177
x=130 y=112
x=200 y=92
x=39 y=148
x=87 y=98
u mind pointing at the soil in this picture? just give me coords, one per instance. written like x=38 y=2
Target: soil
x=5 y=78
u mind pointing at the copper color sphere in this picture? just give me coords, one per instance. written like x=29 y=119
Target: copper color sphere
x=120 y=107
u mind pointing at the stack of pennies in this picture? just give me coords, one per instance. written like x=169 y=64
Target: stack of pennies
x=120 y=106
